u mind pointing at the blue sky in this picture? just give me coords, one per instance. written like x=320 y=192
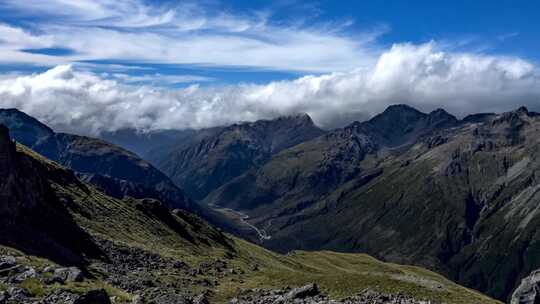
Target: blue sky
x=194 y=64
x=506 y=27
x=287 y=38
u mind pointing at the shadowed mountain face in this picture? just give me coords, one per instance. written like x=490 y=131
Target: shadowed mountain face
x=401 y=124
x=456 y=196
x=32 y=216
x=128 y=174
x=220 y=154
x=47 y=211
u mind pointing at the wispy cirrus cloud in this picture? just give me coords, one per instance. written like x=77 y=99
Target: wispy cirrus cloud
x=185 y=33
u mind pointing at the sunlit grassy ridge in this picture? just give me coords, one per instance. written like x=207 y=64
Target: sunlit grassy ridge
x=342 y=274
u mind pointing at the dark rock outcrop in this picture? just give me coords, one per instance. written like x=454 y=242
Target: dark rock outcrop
x=528 y=291
x=18 y=192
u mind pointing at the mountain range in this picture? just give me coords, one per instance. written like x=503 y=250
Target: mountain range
x=64 y=241
x=457 y=196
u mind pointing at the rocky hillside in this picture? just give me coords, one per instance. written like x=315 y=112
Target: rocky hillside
x=62 y=241
x=218 y=155
x=458 y=197
x=96 y=160
x=311 y=294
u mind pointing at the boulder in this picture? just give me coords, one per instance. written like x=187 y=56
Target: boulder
x=68 y=274
x=49 y=269
x=7 y=262
x=27 y=273
x=3 y=297
x=59 y=296
x=137 y=299
x=528 y=291
x=17 y=295
x=309 y=290
x=201 y=299
x=99 y=296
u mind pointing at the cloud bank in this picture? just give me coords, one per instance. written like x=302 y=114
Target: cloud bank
x=420 y=75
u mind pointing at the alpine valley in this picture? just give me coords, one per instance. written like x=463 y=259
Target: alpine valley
x=406 y=207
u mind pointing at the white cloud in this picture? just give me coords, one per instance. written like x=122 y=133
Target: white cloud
x=420 y=75
x=186 y=33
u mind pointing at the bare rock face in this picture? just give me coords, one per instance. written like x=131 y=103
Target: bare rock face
x=528 y=292
x=7 y=152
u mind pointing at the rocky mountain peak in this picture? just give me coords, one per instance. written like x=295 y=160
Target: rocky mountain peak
x=285 y=121
x=400 y=108
x=302 y=118
x=441 y=119
x=396 y=125
x=440 y=113
x=522 y=110
x=519 y=112
x=517 y=117
x=397 y=115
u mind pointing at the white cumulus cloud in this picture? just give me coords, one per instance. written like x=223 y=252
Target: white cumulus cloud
x=423 y=76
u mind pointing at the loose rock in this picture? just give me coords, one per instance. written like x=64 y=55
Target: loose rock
x=69 y=274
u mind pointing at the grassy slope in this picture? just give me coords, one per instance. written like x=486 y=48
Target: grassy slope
x=344 y=274
x=338 y=274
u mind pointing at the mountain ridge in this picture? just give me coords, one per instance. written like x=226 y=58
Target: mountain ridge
x=94 y=156
x=366 y=188
x=225 y=154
